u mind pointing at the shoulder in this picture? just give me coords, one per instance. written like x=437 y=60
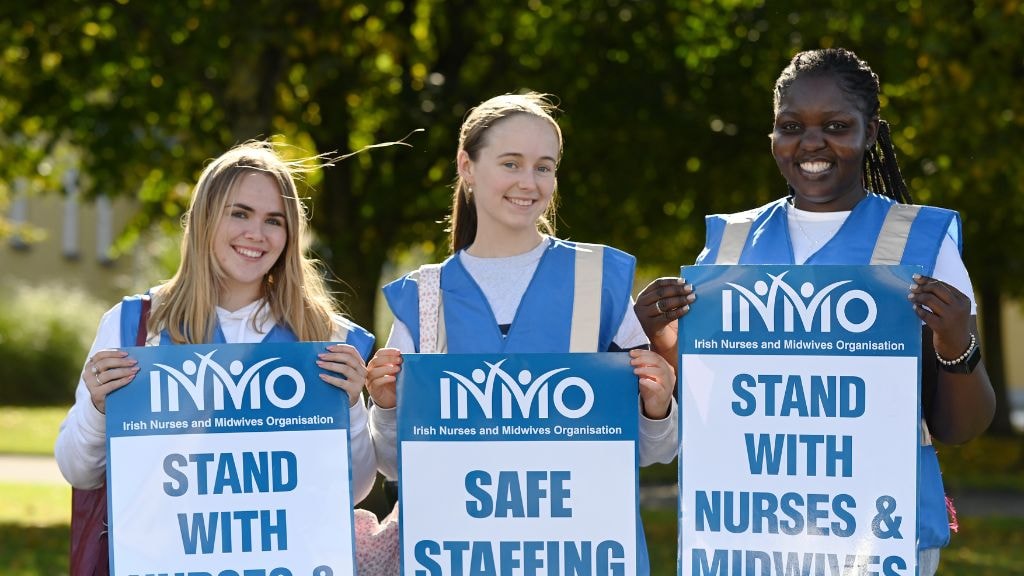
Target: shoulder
x=747 y=215
x=610 y=254
x=343 y=324
x=410 y=280
x=349 y=332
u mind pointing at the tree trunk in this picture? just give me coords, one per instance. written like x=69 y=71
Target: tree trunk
x=990 y=304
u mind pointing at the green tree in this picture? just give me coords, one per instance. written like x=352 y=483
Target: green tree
x=667 y=107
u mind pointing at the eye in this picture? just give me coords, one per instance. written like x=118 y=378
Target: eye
x=510 y=164
x=545 y=169
x=240 y=214
x=275 y=221
x=836 y=126
x=788 y=127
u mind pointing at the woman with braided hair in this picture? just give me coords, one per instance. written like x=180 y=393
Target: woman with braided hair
x=837 y=157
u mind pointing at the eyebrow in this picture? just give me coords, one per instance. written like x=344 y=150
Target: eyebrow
x=247 y=208
x=823 y=113
x=519 y=155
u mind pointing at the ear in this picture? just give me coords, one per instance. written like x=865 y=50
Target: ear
x=871 y=133
x=464 y=165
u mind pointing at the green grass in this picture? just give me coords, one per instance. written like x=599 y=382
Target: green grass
x=34 y=531
x=33 y=550
x=29 y=430
x=985 y=547
x=36 y=505
x=986 y=463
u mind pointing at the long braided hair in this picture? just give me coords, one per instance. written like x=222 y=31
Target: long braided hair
x=881 y=171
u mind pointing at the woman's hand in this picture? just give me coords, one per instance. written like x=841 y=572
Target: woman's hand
x=345 y=370
x=945 y=310
x=105 y=372
x=659 y=306
x=963 y=404
x=657 y=381
x=383 y=376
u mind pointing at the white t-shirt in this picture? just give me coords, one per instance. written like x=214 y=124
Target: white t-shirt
x=809 y=231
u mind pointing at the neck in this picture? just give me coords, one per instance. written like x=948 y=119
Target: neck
x=844 y=203
x=495 y=246
x=232 y=299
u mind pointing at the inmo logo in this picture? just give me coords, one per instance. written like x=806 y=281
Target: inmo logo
x=808 y=304
x=572 y=397
x=283 y=386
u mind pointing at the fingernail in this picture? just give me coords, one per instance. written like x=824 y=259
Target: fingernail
x=917 y=276
x=320 y=362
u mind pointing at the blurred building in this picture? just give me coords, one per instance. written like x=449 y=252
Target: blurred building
x=69 y=240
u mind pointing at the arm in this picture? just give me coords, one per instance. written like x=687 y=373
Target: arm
x=344 y=368
x=81 y=447
x=962 y=405
x=656 y=380
x=364 y=461
x=383 y=376
x=659 y=424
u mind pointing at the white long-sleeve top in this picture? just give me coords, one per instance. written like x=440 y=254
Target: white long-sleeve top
x=81 y=448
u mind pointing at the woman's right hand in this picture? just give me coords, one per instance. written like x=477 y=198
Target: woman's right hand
x=661 y=303
x=105 y=372
x=382 y=376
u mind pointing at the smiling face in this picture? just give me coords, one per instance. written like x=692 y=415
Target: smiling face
x=819 y=141
x=513 y=180
x=250 y=237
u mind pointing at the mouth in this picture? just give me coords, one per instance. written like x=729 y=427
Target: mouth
x=523 y=202
x=814 y=167
x=250 y=253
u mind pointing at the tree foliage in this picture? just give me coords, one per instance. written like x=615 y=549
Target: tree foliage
x=666 y=108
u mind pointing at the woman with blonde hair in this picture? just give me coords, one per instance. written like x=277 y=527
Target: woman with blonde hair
x=243 y=278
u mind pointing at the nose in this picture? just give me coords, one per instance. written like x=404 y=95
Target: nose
x=812 y=139
x=253 y=229
x=528 y=180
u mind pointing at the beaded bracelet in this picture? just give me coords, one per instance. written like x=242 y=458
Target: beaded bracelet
x=960 y=358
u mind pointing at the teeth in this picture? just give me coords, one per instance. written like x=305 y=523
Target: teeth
x=521 y=201
x=249 y=253
x=815 y=167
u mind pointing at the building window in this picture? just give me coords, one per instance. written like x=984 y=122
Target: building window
x=69 y=238
x=18 y=215
x=104 y=229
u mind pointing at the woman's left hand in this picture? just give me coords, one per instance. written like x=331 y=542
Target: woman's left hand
x=657 y=381
x=945 y=310
x=345 y=369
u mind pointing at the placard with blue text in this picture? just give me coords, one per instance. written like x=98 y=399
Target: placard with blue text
x=800 y=395
x=518 y=464
x=229 y=459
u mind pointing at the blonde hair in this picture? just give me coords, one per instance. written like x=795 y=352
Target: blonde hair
x=293 y=290
x=473 y=137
